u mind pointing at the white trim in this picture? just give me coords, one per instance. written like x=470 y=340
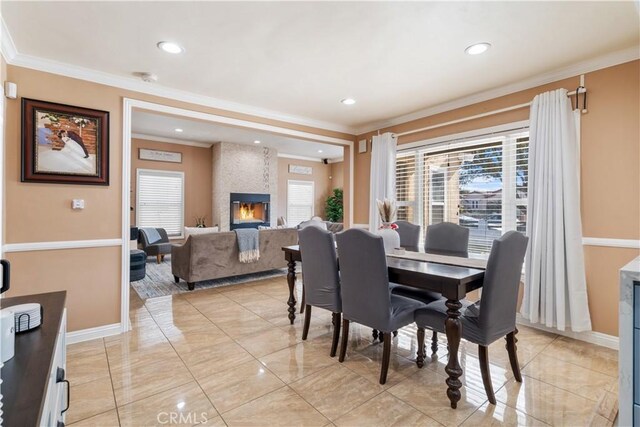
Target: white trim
x=313 y=195
x=93 y=333
x=6 y=43
x=352 y=156
x=594 y=64
x=365 y=226
x=296 y=157
x=64 y=244
x=146 y=137
x=592 y=337
x=611 y=243
x=127 y=107
x=336 y=160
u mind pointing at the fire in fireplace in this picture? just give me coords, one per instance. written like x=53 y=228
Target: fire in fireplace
x=249 y=210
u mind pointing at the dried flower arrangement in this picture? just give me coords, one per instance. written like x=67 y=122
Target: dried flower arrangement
x=387 y=210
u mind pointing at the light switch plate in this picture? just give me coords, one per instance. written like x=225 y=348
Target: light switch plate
x=77 y=204
x=362 y=146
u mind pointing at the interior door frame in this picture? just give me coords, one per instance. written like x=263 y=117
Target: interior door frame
x=130 y=103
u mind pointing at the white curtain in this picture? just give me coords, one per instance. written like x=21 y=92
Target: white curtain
x=555 y=284
x=383 y=174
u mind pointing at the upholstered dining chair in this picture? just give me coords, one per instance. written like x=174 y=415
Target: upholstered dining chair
x=445 y=238
x=364 y=286
x=409 y=235
x=320 y=278
x=155 y=242
x=494 y=315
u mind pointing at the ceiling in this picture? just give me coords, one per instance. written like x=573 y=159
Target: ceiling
x=302 y=58
x=163 y=126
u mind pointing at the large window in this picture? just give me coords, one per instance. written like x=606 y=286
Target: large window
x=300 y=196
x=479 y=183
x=160 y=200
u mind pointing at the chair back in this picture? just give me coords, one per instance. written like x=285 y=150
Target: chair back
x=320 y=269
x=409 y=234
x=501 y=285
x=150 y=236
x=364 y=280
x=447 y=238
x=312 y=223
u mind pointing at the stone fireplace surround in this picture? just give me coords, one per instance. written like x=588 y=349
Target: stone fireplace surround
x=239 y=168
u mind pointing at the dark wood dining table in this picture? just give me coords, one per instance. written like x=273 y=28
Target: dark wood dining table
x=452 y=281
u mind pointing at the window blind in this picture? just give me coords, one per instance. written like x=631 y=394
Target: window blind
x=300 y=196
x=480 y=184
x=160 y=200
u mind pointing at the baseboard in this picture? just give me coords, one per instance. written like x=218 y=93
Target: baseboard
x=592 y=337
x=93 y=333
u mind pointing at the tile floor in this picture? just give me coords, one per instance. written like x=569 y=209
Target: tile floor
x=228 y=356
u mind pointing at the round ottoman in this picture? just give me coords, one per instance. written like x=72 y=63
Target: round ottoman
x=137 y=265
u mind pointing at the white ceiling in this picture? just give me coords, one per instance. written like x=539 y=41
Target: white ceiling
x=163 y=126
x=301 y=58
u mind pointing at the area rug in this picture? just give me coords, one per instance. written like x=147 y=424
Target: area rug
x=159 y=281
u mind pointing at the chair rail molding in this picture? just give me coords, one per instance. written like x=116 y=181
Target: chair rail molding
x=611 y=243
x=62 y=244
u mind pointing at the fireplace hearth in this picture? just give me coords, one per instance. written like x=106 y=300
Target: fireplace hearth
x=249 y=210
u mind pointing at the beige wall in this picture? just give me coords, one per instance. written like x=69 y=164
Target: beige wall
x=196 y=165
x=35 y=212
x=320 y=177
x=337 y=175
x=610 y=181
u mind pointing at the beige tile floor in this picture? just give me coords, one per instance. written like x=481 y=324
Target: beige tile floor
x=229 y=356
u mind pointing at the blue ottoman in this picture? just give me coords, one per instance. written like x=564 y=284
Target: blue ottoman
x=137 y=265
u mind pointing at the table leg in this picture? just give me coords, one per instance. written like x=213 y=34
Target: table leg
x=453 y=327
x=291 y=281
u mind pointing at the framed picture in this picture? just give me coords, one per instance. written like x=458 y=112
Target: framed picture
x=302 y=170
x=159 y=155
x=64 y=144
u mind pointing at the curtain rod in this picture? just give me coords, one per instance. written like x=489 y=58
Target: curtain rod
x=479 y=116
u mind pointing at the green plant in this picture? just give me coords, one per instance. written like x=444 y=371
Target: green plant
x=334 y=207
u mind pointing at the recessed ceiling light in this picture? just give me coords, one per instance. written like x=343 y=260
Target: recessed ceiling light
x=170 y=47
x=478 y=48
x=319 y=151
x=348 y=101
x=256 y=142
x=178 y=130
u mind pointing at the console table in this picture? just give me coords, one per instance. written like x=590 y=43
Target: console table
x=34 y=385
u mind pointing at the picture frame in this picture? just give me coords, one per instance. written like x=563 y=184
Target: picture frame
x=362 y=146
x=64 y=144
x=301 y=170
x=153 y=155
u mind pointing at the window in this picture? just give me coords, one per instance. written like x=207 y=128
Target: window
x=480 y=183
x=300 y=196
x=160 y=200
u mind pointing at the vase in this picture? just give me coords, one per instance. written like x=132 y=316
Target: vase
x=390 y=237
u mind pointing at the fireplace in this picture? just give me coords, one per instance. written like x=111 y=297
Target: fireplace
x=249 y=210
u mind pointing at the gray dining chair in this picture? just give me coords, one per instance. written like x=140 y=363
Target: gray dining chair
x=445 y=238
x=320 y=278
x=494 y=315
x=409 y=235
x=364 y=286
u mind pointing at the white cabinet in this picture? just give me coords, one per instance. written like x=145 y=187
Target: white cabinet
x=56 y=403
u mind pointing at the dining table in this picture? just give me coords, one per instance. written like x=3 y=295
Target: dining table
x=450 y=276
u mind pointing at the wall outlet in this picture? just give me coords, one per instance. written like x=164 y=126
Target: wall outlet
x=77 y=204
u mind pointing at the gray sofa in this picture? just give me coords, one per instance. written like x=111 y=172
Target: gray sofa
x=215 y=255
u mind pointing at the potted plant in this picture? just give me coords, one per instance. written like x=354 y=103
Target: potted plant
x=334 y=208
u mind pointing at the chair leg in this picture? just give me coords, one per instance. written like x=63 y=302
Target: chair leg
x=177 y=279
x=420 y=353
x=386 y=354
x=191 y=285
x=375 y=335
x=158 y=259
x=381 y=336
x=162 y=258
x=307 y=321
x=345 y=339
x=302 y=302
x=395 y=333
x=483 y=353
x=337 y=318
x=512 y=349
x=434 y=342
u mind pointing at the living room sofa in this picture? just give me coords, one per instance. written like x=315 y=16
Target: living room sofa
x=215 y=255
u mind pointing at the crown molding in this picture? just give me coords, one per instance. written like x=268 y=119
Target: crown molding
x=296 y=157
x=171 y=140
x=7 y=46
x=588 y=66
x=13 y=57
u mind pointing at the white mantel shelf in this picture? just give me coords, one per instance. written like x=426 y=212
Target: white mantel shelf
x=629 y=274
